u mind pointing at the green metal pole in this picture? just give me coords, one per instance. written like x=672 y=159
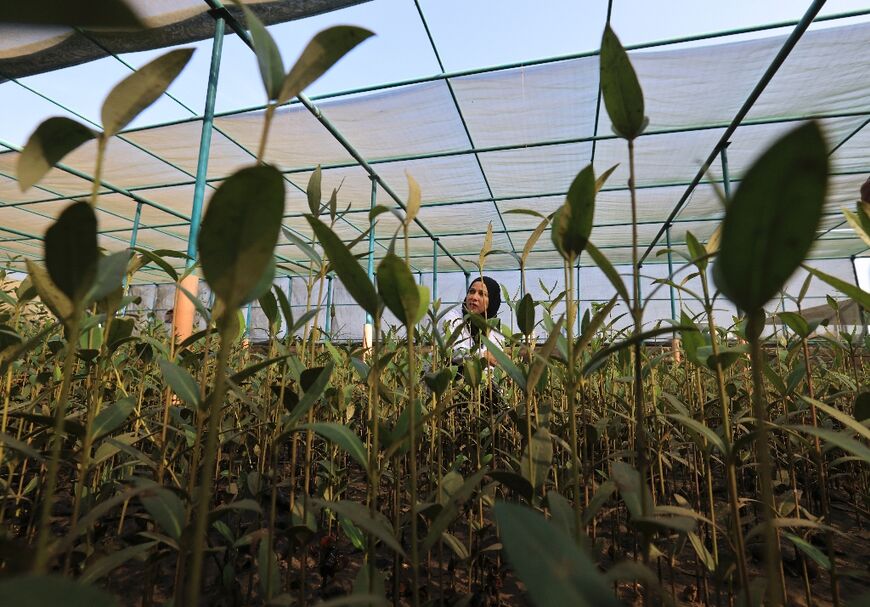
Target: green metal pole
x=205 y=140
x=371 y=259
x=136 y=219
x=434 y=269
x=578 y=297
x=860 y=307
x=467 y=281
x=726 y=177
x=248 y=313
x=671 y=274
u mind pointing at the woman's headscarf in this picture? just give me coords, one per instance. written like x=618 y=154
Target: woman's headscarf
x=493 y=291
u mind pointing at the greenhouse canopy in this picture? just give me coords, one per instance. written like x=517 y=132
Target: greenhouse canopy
x=482 y=144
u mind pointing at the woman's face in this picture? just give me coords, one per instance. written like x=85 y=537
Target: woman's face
x=477 y=298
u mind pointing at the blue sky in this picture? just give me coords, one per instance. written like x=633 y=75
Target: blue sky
x=469 y=34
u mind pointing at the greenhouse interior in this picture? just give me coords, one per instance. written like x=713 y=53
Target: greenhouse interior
x=434 y=302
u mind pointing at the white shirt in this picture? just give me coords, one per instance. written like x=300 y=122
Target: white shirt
x=464 y=345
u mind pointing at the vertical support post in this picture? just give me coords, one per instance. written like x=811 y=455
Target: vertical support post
x=861 y=309
x=134 y=235
x=675 y=341
x=434 y=269
x=577 y=282
x=328 y=323
x=671 y=272
x=184 y=309
x=467 y=281
x=248 y=313
x=368 y=328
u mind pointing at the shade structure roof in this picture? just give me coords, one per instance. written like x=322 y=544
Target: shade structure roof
x=486 y=143
x=31 y=50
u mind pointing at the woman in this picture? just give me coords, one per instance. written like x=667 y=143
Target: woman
x=483 y=298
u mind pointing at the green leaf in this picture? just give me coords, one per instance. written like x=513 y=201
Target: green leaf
x=591 y=329
x=485 y=248
x=251 y=370
x=304 y=247
x=771 y=223
x=600 y=357
x=112 y=417
x=146 y=256
x=286 y=309
x=505 y=362
x=697 y=253
x=439 y=381
x=841 y=440
x=398 y=289
x=349 y=271
x=526 y=314
x=267 y=568
x=859 y=222
x=167 y=510
x=572 y=224
x=553 y=568
x=620 y=88
x=110 y=274
x=313 y=191
x=269 y=306
x=320 y=378
x=54 y=299
x=602 y=494
x=630 y=487
x=181 y=382
x=530 y=243
x=796 y=323
x=71 y=250
x=703 y=430
x=423 y=305
x=701 y=550
x=20 y=446
x=264 y=284
x=542 y=355
x=324 y=50
x=541 y=452
x=609 y=271
x=42 y=590
x=811 y=551
x=268 y=57
x=140 y=89
x=862 y=407
x=110 y=14
x=105 y=565
x=692 y=339
x=451 y=510
x=513 y=481
x=239 y=232
x=379 y=526
x=343 y=437
x=856 y=293
x=841 y=417
x=53 y=139
x=561 y=512
x=412 y=206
